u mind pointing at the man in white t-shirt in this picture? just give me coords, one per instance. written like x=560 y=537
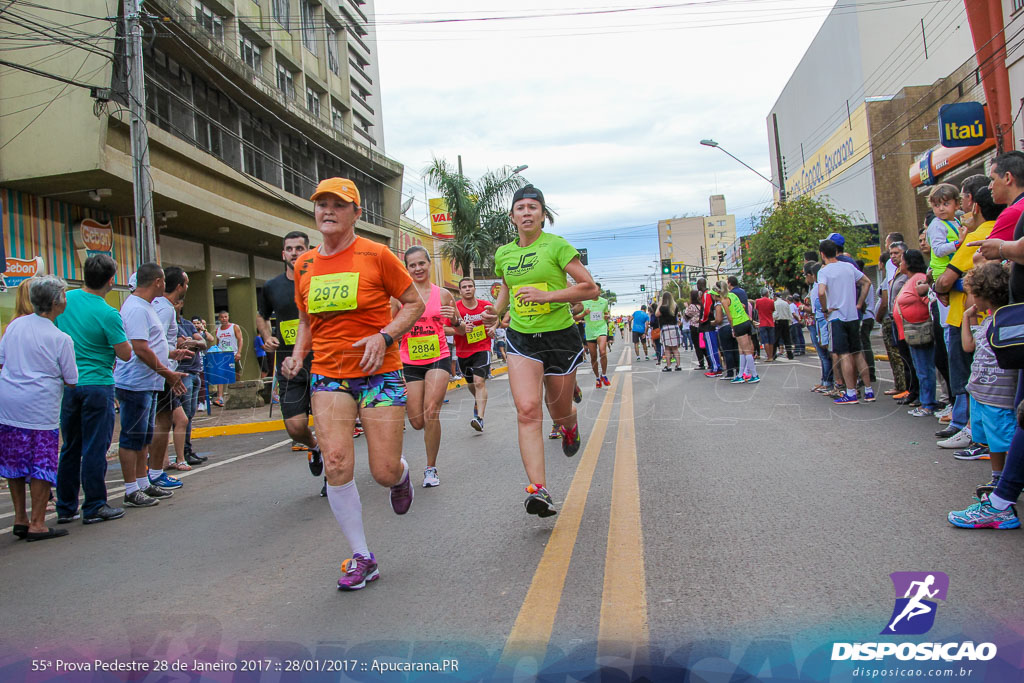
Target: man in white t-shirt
x=137 y=382
x=229 y=338
x=838 y=282
x=167 y=402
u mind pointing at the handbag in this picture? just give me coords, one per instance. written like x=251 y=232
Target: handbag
x=1006 y=336
x=656 y=333
x=919 y=334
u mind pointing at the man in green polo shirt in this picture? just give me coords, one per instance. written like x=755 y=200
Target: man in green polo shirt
x=87 y=410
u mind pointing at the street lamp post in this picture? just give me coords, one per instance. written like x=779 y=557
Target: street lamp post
x=711 y=143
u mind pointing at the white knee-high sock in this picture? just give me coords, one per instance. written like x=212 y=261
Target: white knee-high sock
x=348 y=510
x=752 y=369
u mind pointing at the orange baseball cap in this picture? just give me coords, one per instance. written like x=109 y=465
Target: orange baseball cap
x=340 y=187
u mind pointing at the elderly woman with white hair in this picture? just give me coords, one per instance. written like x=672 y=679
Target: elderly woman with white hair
x=36 y=361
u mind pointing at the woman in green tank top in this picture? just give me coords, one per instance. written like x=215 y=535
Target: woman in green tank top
x=544 y=347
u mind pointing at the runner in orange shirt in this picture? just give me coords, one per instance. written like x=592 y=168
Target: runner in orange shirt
x=343 y=291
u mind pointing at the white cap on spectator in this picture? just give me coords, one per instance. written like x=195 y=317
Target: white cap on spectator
x=132 y=282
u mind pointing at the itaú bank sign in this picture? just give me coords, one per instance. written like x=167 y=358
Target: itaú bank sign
x=847 y=145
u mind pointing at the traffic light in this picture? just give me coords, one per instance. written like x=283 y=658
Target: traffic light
x=721 y=256
x=666 y=266
x=643 y=288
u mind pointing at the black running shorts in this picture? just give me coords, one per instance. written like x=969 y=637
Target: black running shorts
x=418 y=373
x=560 y=351
x=479 y=364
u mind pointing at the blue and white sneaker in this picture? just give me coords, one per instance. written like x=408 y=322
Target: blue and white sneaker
x=846 y=400
x=753 y=380
x=738 y=379
x=166 y=481
x=981 y=515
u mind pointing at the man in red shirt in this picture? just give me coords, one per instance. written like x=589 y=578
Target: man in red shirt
x=1007 y=186
x=473 y=349
x=766 y=323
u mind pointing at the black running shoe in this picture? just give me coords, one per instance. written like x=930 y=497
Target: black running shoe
x=104 y=514
x=154 y=491
x=539 y=502
x=577 y=394
x=323 y=489
x=316 y=462
x=570 y=440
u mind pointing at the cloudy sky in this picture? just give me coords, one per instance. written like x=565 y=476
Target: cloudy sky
x=607 y=109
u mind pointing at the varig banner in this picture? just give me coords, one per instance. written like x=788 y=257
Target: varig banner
x=440 y=218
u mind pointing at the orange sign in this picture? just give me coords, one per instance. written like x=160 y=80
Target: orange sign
x=93 y=235
x=19 y=269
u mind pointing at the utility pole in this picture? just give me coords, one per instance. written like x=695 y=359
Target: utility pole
x=778 y=160
x=145 y=230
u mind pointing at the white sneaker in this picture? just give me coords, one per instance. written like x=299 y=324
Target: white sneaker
x=961 y=439
x=430 y=478
x=948 y=410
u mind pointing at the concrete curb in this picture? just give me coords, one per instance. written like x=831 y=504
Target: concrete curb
x=278 y=425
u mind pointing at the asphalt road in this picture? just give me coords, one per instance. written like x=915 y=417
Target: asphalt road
x=703 y=524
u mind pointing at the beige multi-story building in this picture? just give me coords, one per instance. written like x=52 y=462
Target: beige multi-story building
x=697 y=245
x=249 y=104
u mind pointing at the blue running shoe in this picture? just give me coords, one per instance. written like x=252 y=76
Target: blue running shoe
x=754 y=380
x=982 y=515
x=738 y=379
x=846 y=400
x=166 y=481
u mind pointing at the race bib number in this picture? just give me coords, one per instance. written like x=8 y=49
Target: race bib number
x=477 y=334
x=596 y=316
x=289 y=330
x=525 y=308
x=424 y=348
x=334 y=292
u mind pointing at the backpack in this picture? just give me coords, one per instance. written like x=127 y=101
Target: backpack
x=1006 y=336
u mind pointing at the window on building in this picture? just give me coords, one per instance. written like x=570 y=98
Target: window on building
x=260 y=151
x=337 y=120
x=313 y=102
x=250 y=53
x=308 y=25
x=279 y=10
x=285 y=81
x=332 y=50
x=211 y=22
x=295 y=155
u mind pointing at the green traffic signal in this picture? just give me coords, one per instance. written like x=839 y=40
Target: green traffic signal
x=643 y=288
x=666 y=266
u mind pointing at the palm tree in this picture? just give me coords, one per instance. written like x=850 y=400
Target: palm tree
x=479 y=211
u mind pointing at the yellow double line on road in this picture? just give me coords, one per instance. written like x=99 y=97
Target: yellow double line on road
x=623 y=622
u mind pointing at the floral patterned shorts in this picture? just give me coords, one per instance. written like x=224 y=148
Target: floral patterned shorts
x=29 y=453
x=383 y=390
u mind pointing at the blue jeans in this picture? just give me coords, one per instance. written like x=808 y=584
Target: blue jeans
x=924 y=366
x=1012 y=481
x=796 y=333
x=827 y=377
x=86 y=425
x=959 y=374
x=190 y=403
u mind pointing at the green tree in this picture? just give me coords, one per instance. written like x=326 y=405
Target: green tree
x=782 y=233
x=479 y=211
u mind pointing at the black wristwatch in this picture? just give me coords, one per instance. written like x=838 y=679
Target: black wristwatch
x=388 y=341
